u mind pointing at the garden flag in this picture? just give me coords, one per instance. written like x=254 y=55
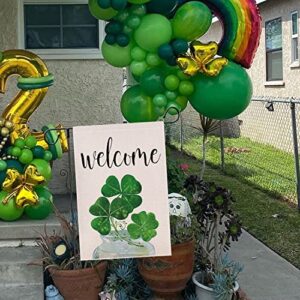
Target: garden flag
x=122 y=194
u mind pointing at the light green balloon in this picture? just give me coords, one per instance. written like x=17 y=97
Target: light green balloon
x=191 y=21
x=138 y=68
x=153 y=60
x=100 y=13
x=117 y=56
x=172 y=82
x=138 y=54
x=154 y=31
x=186 y=88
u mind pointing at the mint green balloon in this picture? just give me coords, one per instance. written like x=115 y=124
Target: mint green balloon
x=100 y=13
x=191 y=21
x=136 y=106
x=154 y=31
x=117 y=56
x=224 y=96
x=138 y=54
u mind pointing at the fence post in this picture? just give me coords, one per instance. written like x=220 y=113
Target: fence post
x=222 y=147
x=296 y=149
x=181 y=133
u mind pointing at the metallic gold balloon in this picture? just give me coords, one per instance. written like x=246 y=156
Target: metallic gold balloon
x=21 y=108
x=22 y=186
x=202 y=59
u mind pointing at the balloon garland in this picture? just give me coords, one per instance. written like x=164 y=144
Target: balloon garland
x=25 y=155
x=159 y=42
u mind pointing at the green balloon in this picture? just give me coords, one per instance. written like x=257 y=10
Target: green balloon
x=224 y=96
x=186 y=88
x=117 y=56
x=152 y=82
x=138 y=1
x=171 y=95
x=136 y=106
x=3 y=165
x=26 y=156
x=138 y=54
x=172 y=82
x=173 y=109
x=191 y=21
x=182 y=102
x=9 y=212
x=100 y=13
x=16 y=151
x=160 y=100
x=43 y=168
x=43 y=208
x=138 y=68
x=154 y=31
x=153 y=60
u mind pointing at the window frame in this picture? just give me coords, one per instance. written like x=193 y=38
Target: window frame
x=272 y=51
x=295 y=61
x=57 y=54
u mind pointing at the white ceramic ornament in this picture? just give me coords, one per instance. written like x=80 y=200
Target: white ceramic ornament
x=179 y=205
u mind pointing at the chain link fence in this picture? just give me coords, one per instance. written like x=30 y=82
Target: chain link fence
x=260 y=147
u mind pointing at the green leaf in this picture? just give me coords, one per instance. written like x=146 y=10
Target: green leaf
x=130 y=185
x=111 y=187
x=102 y=225
x=144 y=226
x=119 y=209
x=101 y=207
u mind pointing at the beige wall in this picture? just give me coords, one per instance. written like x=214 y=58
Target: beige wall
x=85 y=91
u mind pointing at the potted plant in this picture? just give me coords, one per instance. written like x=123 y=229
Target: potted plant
x=74 y=279
x=216 y=276
x=167 y=276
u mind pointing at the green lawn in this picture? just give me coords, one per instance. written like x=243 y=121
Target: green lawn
x=263 y=166
x=256 y=209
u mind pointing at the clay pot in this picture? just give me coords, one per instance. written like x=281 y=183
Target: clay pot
x=167 y=276
x=80 y=284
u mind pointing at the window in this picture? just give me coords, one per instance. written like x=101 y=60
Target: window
x=295 y=37
x=274 y=50
x=60 y=29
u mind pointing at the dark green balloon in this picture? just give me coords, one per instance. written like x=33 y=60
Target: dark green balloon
x=180 y=46
x=136 y=106
x=152 y=82
x=44 y=207
x=224 y=96
x=165 y=51
x=163 y=7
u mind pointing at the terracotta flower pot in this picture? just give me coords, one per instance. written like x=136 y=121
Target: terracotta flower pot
x=80 y=284
x=167 y=276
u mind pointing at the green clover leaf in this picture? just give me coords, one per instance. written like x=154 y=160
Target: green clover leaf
x=101 y=209
x=144 y=226
x=126 y=192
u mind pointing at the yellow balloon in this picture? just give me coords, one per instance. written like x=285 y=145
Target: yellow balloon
x=33 y=70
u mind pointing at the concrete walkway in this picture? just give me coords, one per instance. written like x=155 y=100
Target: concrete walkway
x=266 y=275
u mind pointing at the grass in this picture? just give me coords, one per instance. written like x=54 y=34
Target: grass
x=256 y=209
x=263 y=166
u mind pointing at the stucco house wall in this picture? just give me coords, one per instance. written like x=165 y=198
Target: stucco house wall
x=85 y=92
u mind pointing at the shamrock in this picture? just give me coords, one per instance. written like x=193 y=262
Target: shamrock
x=143 y=227
x=101 y=209
x=126 y=192
x=125 y=201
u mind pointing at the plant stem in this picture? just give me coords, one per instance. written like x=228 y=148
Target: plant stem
x=204 y=140
x=216 y=231
x=122 y=238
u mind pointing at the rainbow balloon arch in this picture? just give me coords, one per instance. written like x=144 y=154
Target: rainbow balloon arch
x=159 y=42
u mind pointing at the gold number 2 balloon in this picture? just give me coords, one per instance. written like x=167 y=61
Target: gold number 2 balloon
x=33 y=82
